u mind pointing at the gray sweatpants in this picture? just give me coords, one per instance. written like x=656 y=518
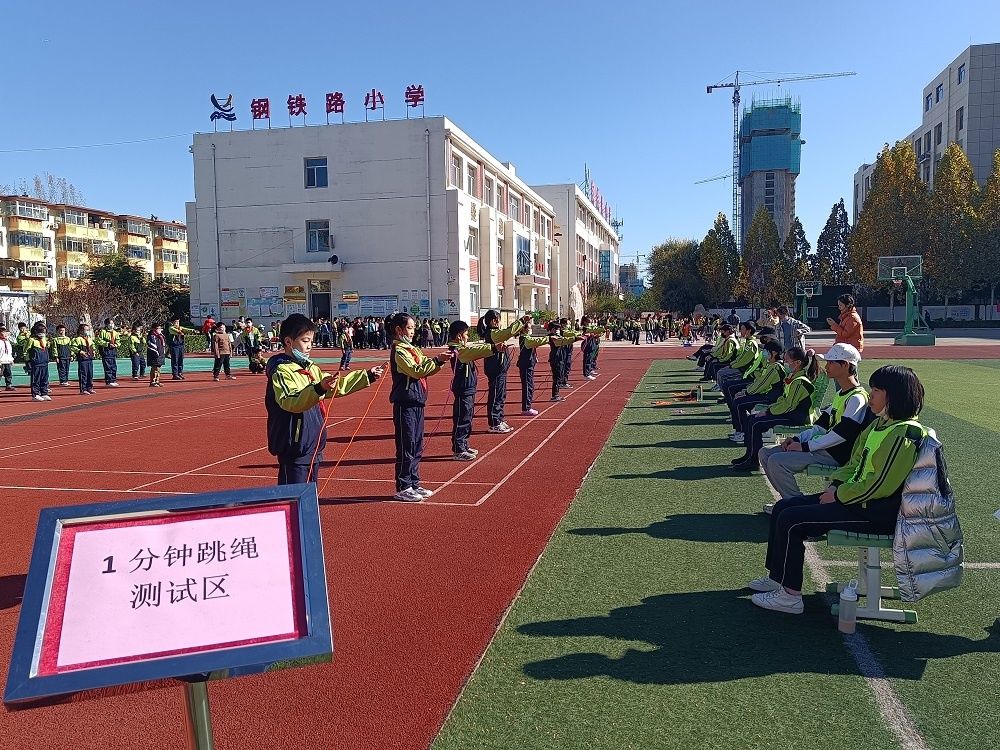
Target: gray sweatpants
x=782 y=466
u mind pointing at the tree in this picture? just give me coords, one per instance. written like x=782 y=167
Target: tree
x=120 y=272
x=987 y=237
x=601 y=297
x=676 y=285
x=48 y=188
x=719 y=262
x=797 y=257
x=952 y=224
x=833 y=260
x=893 y=221
x=762 y=257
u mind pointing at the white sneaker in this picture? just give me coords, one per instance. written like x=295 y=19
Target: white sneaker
x=737 y=438
x=473 y=451
x=505 y=427
x=496 y=428
x=38 y=398
x=779 y=600
x=530 y=413
x=408 y=496
x=768 y=508
x=768 y=437
x=423 y=492
x=557 y=398
x=591 y=377
x=763 y=584
x=464 y=456
x=113 y=385
x=47 y=397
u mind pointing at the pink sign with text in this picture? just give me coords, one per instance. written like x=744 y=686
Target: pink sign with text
x=140 y=588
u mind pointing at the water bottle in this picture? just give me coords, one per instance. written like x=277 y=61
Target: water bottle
x=701 y=393
x=847 y=612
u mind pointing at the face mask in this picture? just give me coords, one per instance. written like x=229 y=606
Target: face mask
x=405 y=339
x=787 y=370
x=300 y=357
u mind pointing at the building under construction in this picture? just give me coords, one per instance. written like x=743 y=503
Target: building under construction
x=770 y=155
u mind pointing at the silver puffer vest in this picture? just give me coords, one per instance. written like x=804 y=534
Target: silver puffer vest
x=927 y=549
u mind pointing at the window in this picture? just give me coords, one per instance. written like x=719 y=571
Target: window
x=28 y=239
x=927 y=172
x=317 y=236
x=72 y=216
x=455 y=176
x=102 y=248
x=170 y=232
x=500 y=201
x=316 y=176
x=134 y=226
x=937 y=134
x=938 y=93
x=473 y=243
x=960 y=118
x=73 y=272
x=928 y=103
x=138 y=252
x=472 y=180
x=523 y=256
x=72 y=245
x=182 y=258
x=319 y=286
x=488 y=195
x=927 y=141
x=916 y=146
x=515 y=208
x=474 y=298
x=168 y=256
x=36 y=270
x=25 y=210
x=961 y=73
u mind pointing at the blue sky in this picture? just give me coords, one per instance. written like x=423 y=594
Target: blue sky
x=546 y=85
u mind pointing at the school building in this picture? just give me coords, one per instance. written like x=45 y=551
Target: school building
x=365 y=219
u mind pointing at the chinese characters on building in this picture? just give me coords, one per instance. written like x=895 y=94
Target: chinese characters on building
x=336 y=103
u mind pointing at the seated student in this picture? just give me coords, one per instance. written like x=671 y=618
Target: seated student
x=743 y=360
x=830 y=440
x=765 y=388
x=724 y=352
x=863 y=497
x=791 y=408
x=465 y=378
x=731 y=388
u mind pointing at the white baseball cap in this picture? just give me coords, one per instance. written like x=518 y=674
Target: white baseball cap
x=843 y=353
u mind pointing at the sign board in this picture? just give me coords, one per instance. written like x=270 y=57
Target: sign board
x=378 y=306
x=351 y=297
x=269 y=291
x=447 y=308
x=209 y=308
x=295 y=294
x=227 y=583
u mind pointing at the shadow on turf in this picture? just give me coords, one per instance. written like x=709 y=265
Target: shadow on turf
x=695 y=421
x=688 y=443
x=718 y=636
x=694 y=527
x=11 y=590
x=682 y=473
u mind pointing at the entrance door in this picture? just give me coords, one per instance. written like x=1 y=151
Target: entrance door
x=320 y=305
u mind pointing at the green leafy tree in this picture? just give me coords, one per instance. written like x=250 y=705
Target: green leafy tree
x=949 y=261
x=833 y=261
x=987 y=238
x=712 y=269
x=118 y=271
x=893 y=221
x=762 y=255
x=797 y=257
x=676 y=284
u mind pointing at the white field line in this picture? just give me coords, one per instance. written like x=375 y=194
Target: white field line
x=216 y=463
x=894 y=712
x=90 y=489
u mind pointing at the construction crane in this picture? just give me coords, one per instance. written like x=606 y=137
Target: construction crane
x=735 y=85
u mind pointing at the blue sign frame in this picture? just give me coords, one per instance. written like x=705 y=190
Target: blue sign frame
x=315 y=646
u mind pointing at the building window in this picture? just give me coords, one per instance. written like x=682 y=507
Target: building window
x=74 y=272
x=474 y=298
x=928 y=102
x=36 y=270
x=455 y=176
x=916 y=146
x=134 y=226
x=927 y=141
x=960 y=118
x=937 y=134
x=523 y=256
x=26 y=210
x=473 y=178
x=316 y=176
x=72 y=245
x=472 y=244
x=318 y=236
x=21 y=238
x=961 y=73
x=170 y=232
x=501 y=188
x=938 y=93
x=72 y=216
x=138 y=252
x=927 y=173
x=515 y=208
x=488 y=196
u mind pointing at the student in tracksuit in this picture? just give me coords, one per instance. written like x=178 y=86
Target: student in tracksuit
x=558 y=345
x=83 y=349
x=863 y=497
x=409 y=367
x=61 y=352
x=527 y=358
x=348 y=349
x=156 y=354
x=296 y=421
x=589 y=348
x=465 y=378
x=107 y=342
x=21 y=345
x=137 y=345
x=566 y=354
x=792 y=408
x=497 y=364
x=176 y=340
x=6 y=359
x=37 y=357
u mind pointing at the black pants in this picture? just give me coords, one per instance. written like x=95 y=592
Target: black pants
x=564 y=367
x=556 y=371
x=62 y=367
x=138 y=365
x=731 y=388
x=496 y=395
x=798 y=518
x=527 y=387
x=741 y=406
x=292 y=473
x=461 y=417
x=85 y=374
x=409 y=428
x=176 y=360
x=221 y=363
x=589 y=359
x=6 y=375
x=753 y=430
x=40 y=378
x=345 y=358
x=109 y=358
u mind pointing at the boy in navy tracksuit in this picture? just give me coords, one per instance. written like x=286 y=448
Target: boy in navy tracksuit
x=176 y=339
x=465 y=378
x=37 y=357
x=61 y=351
x=527 y=357
x=496 y=366
x=296 y=422
x=559 y=347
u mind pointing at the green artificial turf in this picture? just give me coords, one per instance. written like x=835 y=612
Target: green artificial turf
x=634 y=630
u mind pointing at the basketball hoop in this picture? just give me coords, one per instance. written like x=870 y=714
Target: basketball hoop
x=808 y=293
x=898 y=283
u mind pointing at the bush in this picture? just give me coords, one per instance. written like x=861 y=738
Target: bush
x=195 y=343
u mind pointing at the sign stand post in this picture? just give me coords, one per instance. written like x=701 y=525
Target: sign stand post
x=199 y=716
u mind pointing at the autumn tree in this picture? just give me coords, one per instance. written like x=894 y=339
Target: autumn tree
x=797 y=257
x=987 y=238
x=719 y=262
x=833 y=262
x=762 y=257
x=952 y=224
x=46 y=187
x=676 y=285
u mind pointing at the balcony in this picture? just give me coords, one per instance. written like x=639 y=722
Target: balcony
x=32 y=270
x=27 y=253
x=9 y=269
x=88 y=232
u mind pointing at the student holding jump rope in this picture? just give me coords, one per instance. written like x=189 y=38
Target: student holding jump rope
x=559 y=347
x=527 y=358
x=296 y=423
x=465 y=378
x=497 y=364
x=409 y=367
